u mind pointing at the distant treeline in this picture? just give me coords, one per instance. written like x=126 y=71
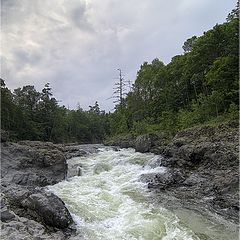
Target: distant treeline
x=197 y=87
x=29 y=114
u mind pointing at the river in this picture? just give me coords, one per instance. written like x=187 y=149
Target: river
x=109 y=202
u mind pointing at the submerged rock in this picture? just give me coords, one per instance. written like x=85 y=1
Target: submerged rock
x=102 y=167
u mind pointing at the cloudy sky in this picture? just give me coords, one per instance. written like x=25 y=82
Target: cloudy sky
x=78 y=45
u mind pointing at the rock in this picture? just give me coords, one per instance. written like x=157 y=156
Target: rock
x=208 y=159
x=80 y=150
x=4 y=136
x=6 y=215
x=169 y=178
x=48 y=208
x=194 y=179
x=15 y=194
x=156 y=162
x=102 y=167
x=127 y=141
x=24 y=229
x=143 y=143
x=31 y=164
x=37 y=204
x=150 y=142
x=26 y=166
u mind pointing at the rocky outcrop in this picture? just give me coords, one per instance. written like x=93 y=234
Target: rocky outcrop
x=24 y=228
x=26 y=167
x=36 y=204
x=208 y=156
x=143 y=143
x=202 y=167
x=169 y=178
x=71 y=151
x=32 y=163
x=127 y=141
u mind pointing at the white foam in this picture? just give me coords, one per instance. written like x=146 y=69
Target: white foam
x=113 y=204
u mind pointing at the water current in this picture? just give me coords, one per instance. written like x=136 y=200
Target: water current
x=109 y=202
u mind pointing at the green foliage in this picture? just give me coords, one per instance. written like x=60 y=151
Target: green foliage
x=197 y=87
x=118 y=123
x=31 y=115
x=188 y=44
x=200 y=86
x=233 y=111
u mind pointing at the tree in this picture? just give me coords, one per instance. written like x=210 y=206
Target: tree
x=95 y=108
x=7 y=107
x=234 y=13
x=188 y=44
x=47 y=108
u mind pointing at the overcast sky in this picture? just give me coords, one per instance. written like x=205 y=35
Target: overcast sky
x=78 y=45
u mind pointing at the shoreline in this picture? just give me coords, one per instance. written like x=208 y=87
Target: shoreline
x=202 y=163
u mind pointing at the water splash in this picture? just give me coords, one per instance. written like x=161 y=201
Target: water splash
x=109 y=202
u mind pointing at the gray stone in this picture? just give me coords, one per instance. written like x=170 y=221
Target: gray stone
x=143 y=143
x=4 y=136
x=31 y=164
x=169 y=178
x=48 y=208
x=6 y=215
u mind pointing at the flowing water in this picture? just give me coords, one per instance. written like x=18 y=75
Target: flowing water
x=109 y=202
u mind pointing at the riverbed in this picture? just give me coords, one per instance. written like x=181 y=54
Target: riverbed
x=109 y=201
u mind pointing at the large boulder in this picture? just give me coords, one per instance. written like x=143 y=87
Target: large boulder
x=150 y=143
x=143 y=143
x=37 y=204
x=164 y=180
x=47 y=208
x=33 y=163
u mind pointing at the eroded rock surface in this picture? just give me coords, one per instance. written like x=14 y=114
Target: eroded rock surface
x=27 y=210
x=203 y=167
x=32 y=163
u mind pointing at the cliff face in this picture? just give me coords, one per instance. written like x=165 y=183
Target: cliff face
x=202 y=163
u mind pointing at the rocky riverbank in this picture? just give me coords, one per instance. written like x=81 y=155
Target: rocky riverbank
x=202 y=171
x=202 y=167
x=28 y=210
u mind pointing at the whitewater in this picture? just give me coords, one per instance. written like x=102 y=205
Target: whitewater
x=110 y=202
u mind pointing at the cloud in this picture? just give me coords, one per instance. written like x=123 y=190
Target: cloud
x=78 y=45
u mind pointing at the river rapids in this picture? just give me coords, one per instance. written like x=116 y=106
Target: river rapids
x=109 y=202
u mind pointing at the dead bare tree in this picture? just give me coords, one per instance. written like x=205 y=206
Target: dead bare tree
x=120 y=90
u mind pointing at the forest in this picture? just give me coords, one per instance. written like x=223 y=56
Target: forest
x=198 y=87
